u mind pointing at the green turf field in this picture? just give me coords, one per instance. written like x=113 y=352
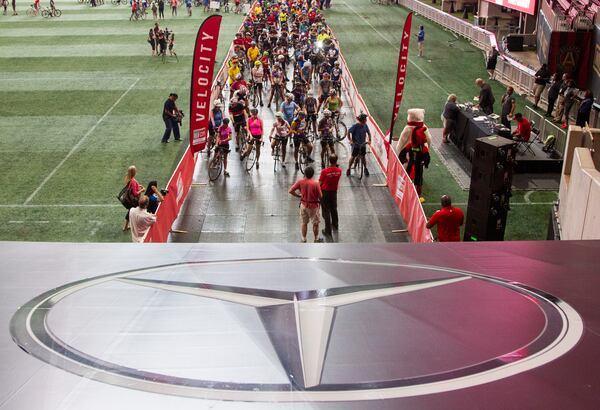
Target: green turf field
x=82 y=99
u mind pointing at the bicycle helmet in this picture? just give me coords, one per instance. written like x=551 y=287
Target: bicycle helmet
x=218 y=103
x=266 y=53
x=326 y=113
x=281 y=57
x=331 y=92
x=253 y=111
x=238 y=77
x=362 y=117
x=257 y=62
x=289 y=95
x=278 y=114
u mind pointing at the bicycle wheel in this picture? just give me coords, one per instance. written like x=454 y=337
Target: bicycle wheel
x=243 y=141
x=250 y=159
x=254 y=96
x=340 y=131
x=114 y=2
x=302 y=158
x=215 y=167
x=361 y=166
x=57 y=13
x=46 y=14
x=30 y=12
x=276 y=156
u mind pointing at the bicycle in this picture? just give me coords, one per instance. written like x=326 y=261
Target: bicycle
x=48 y=12
x=302 y=157
x=215 y=166
x=277 y=152
x=119 y=2
x=219 y=91
x=250 y=159
x=32 y=11
x=242 y=133
x=328 y=150
x=339 y=127
x=224 y=6
x=361 y=162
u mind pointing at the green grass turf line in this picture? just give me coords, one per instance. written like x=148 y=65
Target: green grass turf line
x=56 y=100
x=373 y=62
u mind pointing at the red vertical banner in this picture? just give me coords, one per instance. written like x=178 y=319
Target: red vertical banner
x=401 y=73
x=203 y=65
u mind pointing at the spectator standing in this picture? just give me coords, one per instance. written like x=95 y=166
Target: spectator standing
x=14 y=7
x=585 y=109
x=508 y=107
x=161 y=9
x=188 y=6
x=329 y=182
x=542 y=77
x=135 y=191
x=170 y=112
x=173 y=8
x=310 y=197
x=486 y=97
x=492 y=60
x=359 y=136
x=450 y=116
x=5 y=7
x=570 y=95
x=154 y=8
x=152 y=41
x=448 y=220
x=421 y=40
x=141 y=220
x=553 y=92
x=560 y=109
x=154 y=195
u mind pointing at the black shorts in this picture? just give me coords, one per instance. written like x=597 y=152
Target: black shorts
x=311 y=117
x=255 y=140
x=223 y=148
x=281 y=139
x=322 y=98
x=239 y=121
x=327 y=141
x=300 y=139
x=358 y=150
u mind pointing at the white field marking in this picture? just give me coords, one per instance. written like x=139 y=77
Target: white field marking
x=76 y=146
x=16 y=222
x=97 y=225
x=61 y=206
x=397 y=48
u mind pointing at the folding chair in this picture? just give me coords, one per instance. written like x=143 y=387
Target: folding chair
x=535 y=134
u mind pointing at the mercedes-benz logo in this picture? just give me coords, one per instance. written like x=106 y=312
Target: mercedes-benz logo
x=299 y=325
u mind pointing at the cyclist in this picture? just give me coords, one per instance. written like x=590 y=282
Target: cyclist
x=258 y=74
x=253 y=53
x=325 y=86
x=326 y=132
x=281 y=131
x=215 y=118
x=334 y=104
x=359 y=136
x=255 y=129
x=238 y=114
x=223 y=138
x=310 y=105
x=298 y=129
x=336 y=77
x=171 y=45
x=289 y=108
x=277 y=83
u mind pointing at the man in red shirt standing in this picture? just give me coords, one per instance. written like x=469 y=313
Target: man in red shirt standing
x=329 y=180
x=448 y=220
x=310 y=197
x=523 y=131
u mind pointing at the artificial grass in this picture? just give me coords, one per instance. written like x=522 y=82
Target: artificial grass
x=59 y=78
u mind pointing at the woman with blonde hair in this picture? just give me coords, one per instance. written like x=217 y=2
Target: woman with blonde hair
x=135 y=190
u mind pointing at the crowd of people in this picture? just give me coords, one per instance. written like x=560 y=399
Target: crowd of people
x=161 y=41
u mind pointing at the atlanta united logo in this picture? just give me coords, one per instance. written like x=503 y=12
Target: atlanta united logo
x=296 y=329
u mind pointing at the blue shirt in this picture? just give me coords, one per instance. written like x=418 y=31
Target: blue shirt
x=421 y=36
x=152 y=203
x=359 y=133
x=288 y=110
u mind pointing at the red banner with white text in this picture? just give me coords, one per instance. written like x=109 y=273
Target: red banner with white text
x=178 y=187
x=205 y=54
x=401 y=73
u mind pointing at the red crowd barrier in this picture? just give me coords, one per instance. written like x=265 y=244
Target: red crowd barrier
x=398 y=182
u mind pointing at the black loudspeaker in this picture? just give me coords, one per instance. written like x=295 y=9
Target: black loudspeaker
x=490 y=191
x=514 y=42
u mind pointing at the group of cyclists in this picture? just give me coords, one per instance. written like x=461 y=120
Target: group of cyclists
x=161 y=41
x=284 y=54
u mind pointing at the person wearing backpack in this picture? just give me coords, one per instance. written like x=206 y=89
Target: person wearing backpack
x=134 y=190
x=413 y=146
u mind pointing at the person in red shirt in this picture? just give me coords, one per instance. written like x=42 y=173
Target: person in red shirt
x=238 y=40
x=448 y=220
x=310 y=197
x=523 y=131
x=329 y=181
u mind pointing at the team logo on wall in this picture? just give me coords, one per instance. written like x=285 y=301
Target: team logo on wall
x=296 y=329
x=568 y=58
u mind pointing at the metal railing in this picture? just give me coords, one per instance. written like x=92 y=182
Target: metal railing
x=547 y=128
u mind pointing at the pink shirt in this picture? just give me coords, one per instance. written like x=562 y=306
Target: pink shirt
x=224 y=135
x=256 y=126
x=310 y=192
x=135 y=187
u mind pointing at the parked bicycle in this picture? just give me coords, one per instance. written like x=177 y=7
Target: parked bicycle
x=47 y=12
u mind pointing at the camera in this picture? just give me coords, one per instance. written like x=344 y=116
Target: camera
x=164 y=192
x=180 y=116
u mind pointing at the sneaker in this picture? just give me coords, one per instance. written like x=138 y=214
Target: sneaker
x=325 y=232
x=348 y=172
x=226 y=173
x=366 y=172
x=309 y=159
x=177 y=139
x=318 y=240
x=282 y=165
x=237 y=149
x=165 y=142
x=563 y=125
x=257 y=165
x=303 y=240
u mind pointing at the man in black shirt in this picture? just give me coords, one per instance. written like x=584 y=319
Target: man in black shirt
x=450 y=117
x=553 y=93
x=486 y=98
x=542 y=77
x=508 y=107
x=170 y=117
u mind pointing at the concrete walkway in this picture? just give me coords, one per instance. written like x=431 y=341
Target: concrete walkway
x=256 y=206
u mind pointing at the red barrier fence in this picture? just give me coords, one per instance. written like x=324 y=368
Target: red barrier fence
x=398 y=182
